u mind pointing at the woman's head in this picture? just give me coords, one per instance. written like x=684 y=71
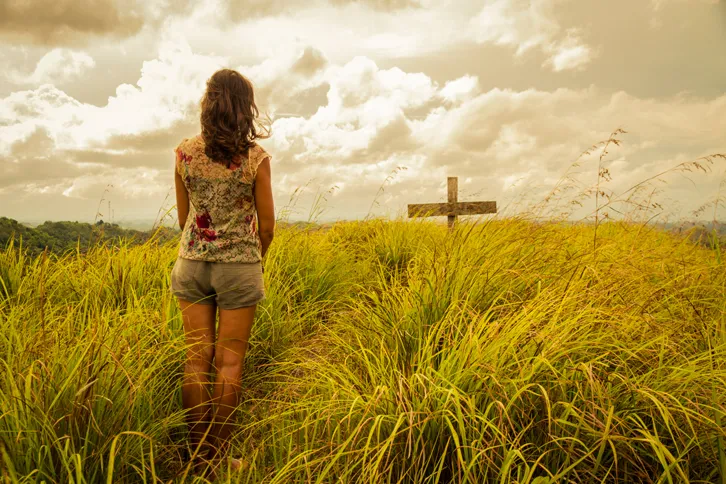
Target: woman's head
x=229 y=115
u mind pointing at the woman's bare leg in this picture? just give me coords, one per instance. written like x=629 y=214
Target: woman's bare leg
x=235 y=326
x=199 y=332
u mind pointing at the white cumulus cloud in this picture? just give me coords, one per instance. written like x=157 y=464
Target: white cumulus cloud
x=58 y=66
x=531 y=24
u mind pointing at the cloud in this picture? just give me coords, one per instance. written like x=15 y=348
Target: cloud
x=56 y=67
x=365 y=106
x=659 y=4
x=290 y=83
x=53 y=20
x=460 y=89
x=505 y=133
x=152 y=141
x=382 y=5
x=35 y=160
x=37 y=165
x=50 y=143
x=528 y=25
x=493 y=138
x=309 y=62
x=127 y=183
x=167 y=92
x=239 y=10
x=74 y=22
x=569 y=54
x=360 y=122
x=390 y=139
x=521 y=24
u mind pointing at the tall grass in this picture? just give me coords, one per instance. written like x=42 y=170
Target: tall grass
x=527 y=350
x=386 y=351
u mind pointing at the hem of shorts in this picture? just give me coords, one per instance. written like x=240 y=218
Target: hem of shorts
x=203 y=302
x=207 y=301
x=240 y=307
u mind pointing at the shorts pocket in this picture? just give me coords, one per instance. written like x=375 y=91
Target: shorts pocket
x=238 y=285
x=184 y=282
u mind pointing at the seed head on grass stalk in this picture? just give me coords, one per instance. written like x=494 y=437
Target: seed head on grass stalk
x=716 y=202
x=700 y=165
x=284 y=213
x=162 y=214
x=566 y=183
x=381 y=189
x=319 y=204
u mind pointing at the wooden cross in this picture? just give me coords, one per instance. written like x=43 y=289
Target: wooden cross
x=453 y=208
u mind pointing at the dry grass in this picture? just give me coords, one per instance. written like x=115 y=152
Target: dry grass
x=512 y=350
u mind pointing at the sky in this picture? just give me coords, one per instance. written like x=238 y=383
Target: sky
x=374 y=103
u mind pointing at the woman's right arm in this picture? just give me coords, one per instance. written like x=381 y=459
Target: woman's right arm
x=265 y=205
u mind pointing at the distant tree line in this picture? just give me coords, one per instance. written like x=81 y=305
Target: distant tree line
x=60 y=237
x=710 y=237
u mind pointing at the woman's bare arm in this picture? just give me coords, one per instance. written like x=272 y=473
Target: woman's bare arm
x=182 y=199
x=265 y=205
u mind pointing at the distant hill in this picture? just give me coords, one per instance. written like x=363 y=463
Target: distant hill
x=59 y=237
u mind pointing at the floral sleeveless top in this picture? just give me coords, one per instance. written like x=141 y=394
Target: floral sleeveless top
x=222 y=221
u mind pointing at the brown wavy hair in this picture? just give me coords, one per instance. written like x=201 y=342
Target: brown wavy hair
x=229 y=117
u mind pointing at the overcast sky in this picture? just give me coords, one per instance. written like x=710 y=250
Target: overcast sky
x=504 y=94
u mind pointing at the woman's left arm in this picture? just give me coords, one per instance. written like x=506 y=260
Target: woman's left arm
x=182 y=199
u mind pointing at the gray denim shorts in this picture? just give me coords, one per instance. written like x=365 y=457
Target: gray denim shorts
x=229 y=285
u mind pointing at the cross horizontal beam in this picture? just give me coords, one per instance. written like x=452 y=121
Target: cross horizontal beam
x=451 y=209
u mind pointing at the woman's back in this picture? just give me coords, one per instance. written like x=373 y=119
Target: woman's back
x=221 y=225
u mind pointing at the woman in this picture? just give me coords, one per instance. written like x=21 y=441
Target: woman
x=226 y=213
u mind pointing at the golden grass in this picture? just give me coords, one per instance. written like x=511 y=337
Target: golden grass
x=386 y=351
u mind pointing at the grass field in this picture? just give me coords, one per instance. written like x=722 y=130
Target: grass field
x=387 y=352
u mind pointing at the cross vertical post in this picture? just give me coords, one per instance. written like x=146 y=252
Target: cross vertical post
x=453 y=189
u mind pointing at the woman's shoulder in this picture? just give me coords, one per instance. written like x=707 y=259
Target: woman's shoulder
x=260 y=152
x=195 y=146
x=192 y=144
